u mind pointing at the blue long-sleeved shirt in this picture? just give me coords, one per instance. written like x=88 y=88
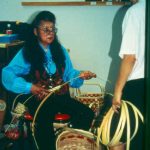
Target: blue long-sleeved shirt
x=12 y=74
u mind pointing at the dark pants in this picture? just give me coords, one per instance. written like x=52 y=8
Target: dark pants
x=134 y=92
x=81 y=117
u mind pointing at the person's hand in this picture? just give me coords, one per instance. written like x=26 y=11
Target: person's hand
x=116 y=102
x=39 y=91
x=86 y=75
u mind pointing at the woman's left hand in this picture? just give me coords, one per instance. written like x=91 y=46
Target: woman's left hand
x=86 y=75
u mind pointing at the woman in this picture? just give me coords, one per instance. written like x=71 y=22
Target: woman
x=41 y=64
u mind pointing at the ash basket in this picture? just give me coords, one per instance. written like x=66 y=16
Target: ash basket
x=93 y=99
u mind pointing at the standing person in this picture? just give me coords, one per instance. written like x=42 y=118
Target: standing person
x=130 y=82
x=41 y=64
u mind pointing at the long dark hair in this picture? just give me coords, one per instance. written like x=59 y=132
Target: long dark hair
x=34 y=54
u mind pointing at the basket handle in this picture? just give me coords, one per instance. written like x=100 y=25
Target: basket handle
x=77 y=91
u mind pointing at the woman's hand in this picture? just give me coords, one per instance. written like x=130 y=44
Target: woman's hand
x=39 y=91
x=86 y=75
x=116 y=102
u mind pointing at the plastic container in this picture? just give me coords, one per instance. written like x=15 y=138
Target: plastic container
x=8 y=29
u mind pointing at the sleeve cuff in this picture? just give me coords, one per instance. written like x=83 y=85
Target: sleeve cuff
x=28 y=88
x=76 y=83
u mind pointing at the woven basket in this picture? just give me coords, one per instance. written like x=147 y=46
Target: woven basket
x=93 y=99
x=74 y=139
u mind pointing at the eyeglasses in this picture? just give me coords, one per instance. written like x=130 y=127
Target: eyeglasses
x=48 y=30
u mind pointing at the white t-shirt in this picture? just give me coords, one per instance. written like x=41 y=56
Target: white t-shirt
x=133 y=40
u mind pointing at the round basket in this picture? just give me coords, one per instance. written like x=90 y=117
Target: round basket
x=74 y=139
x=94 y=100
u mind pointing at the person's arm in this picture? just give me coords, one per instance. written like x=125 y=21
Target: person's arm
x=126 y=67
x=70 y=73
x=13 y=78
x=12 y=75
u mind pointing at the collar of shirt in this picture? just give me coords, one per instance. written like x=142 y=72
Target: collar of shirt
x=47 y=51
x=44 y=48
x=49 y=64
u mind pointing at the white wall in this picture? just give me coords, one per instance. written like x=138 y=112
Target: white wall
x=92 y=33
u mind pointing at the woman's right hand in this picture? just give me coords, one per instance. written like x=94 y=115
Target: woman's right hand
x=39 y=91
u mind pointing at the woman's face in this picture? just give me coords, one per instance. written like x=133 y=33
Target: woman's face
x=45 y=32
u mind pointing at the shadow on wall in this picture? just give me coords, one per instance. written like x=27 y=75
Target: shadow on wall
x=115 y=47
